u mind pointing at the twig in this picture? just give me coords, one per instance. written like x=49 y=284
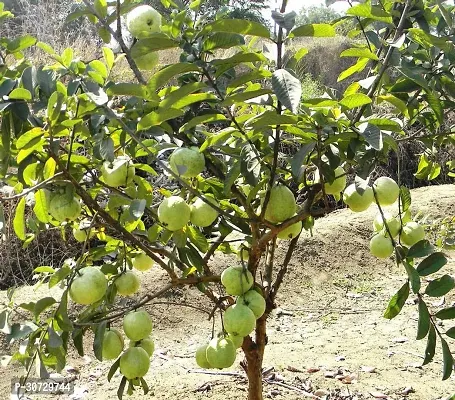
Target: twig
x=219 y=373
x=285 y=385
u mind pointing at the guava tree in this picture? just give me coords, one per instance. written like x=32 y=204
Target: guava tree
x=83 y=154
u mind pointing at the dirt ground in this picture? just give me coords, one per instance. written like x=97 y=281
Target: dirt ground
x=329 y=323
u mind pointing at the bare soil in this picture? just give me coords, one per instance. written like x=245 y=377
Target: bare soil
x=329 y=322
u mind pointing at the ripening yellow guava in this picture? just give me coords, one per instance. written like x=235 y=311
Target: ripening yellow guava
x=174 y=213
x=412 y=233
x=64 y=207
x=237 y=340
x=239 y=320
x=142 y=262
x=119 y=172
x=187 y=162
x=236 y=280
x=137 y=325
x=291 y=231
x=221 y=353
x=201 y=357
x=337 y=185
x=142 y=21
x=254 y=301
x=147 y=61
x=357 y=201
x=148 y=344
x=202 y=214
x=127 y=284
x=134 y=363
x=89 y=286
x=112 y=344
x=281 y=205
x=392 y=222
x=387 y=190
x=381 y=246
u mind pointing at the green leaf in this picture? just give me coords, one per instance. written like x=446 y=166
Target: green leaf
x=431 y=346
x=20 y=94
x=98 y=341
x=41 y=207
x=61 y=315
x=420 y=249
x=313 y=30
x=366 y=10
x=44 y=269
x=414 y=277
x=197 y=238
x=201 y=120
x=109 y=57
x=405 y=197
x=241 y=26
x=128 y=89
x=21 y=43
x=101 y=8
x=298 y=163
x=451 y=333
x=78 y=337
x=244 y=96
x=155 y=42
x=433 y=263
x=372 y=135
x=137 y=208
x=113 y=369
x=359 y=52
x=440 y=287
x=355 y=100
x=158 y=117
x=163 y=76
x=436 y=105
x=357 y=67
x=231 y=176
x=447 y=360
x=416 y=78
x=19 y=220
x=43 y=304
x=288 y=89
x=4 y=323
x=55 y=341
x=179 y=237
x=222 y=40
x=59 y=275
x=446 y=313
x=424 y=320
x=49 y=168
x=397 y=302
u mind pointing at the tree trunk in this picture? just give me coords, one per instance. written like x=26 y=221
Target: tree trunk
x=254 y=354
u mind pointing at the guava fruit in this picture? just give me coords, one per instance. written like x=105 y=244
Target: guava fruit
x=64 y=207
x=174 y=213
x=134 y=363
x=337 y=185
x=236 y=339
x=281 y=205
x=127 y=284
x=236 y=280
x=221 y=353
x=291 y=231
x=142 y=262
x=201 y=357
x=392 y=222
x=412 y=233
x=254 y=301
x=119 y=172
x=239 y=320
x=112 y=344
x=357 y=201
x=202 y=214
x=187 y=162
x=89 y=286
x=387 y=190
x=142 y=21
x=381 y=246
x=137 y=325
x=148 y=344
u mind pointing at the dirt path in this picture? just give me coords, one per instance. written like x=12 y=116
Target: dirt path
x=329 y=323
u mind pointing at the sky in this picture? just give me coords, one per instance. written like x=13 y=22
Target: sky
x=297 y=5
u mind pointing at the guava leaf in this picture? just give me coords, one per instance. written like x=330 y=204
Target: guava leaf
x=397 y=302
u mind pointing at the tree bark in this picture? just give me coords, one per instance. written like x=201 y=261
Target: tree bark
x=254 y=354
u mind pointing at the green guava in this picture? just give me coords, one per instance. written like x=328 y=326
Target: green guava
x=337 y=185
x=381 y=246
x=119 y=172
x=281 y=205
x=291 y=231
x=89 y=286
x=142 y=262
x=174 y=213
x=254 y=301
x=127 y=284
x=137 y=325
x=357 y=201
x=201 y=357
x=134 y=363
x=236 y=280
x=387 y=190
x=64 y=208
x=412 y=233
x=202 y=214
x=237 y=340
x=187 y=162
x=239 y=320
x=142 y=21
x=221 y=353
x=148 y=344
x=392 y=222
x=112 y=344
